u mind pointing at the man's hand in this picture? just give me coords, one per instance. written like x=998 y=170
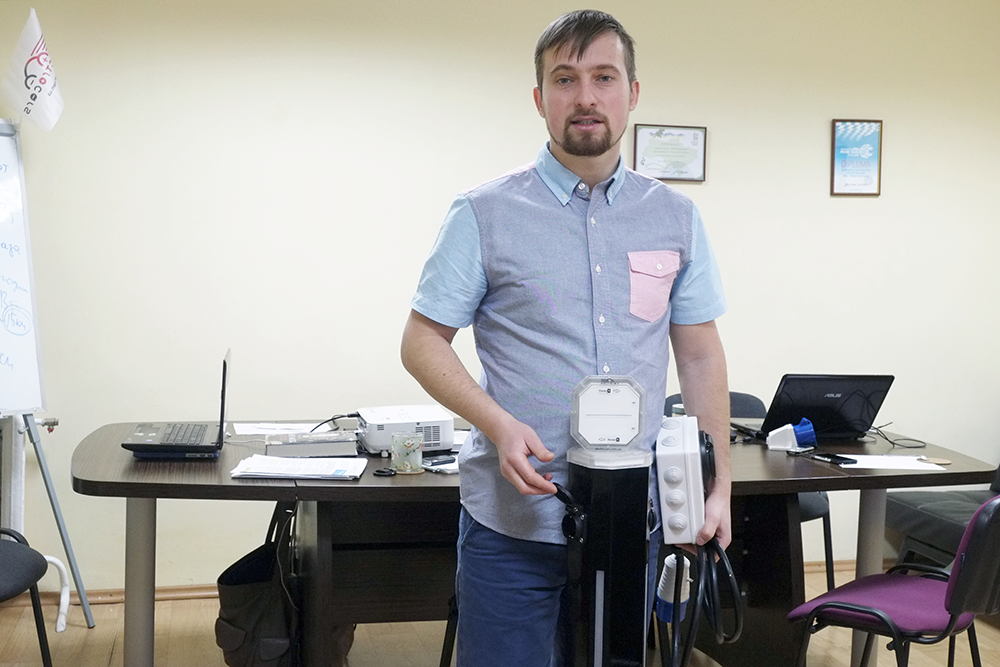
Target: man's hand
x=516 y=443
x=717 y=519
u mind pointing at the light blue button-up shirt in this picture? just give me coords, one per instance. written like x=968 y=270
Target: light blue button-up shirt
x=561 y=282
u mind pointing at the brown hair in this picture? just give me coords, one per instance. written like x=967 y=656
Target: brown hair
x=578 y=30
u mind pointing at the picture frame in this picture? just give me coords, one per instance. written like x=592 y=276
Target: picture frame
x=670 y=152
x=856 y=158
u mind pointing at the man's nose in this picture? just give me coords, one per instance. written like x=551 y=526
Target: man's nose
x=586 y=95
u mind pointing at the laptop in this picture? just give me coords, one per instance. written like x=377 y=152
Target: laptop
x=840 y=407
x=163 y=440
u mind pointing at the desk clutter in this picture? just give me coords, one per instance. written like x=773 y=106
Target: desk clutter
x=325 y=443
x=325 y=451
x=279 y=467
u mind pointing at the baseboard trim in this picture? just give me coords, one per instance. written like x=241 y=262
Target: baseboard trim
x=208 y=591
x=117 y=595
x=815 y=566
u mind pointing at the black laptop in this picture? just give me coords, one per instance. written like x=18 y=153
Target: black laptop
x=840 y=407
x=181 y=440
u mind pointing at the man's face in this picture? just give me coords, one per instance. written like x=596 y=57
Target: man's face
x=586 y=102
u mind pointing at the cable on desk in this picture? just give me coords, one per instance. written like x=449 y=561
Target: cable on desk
x=898 y=442
x=333 y=421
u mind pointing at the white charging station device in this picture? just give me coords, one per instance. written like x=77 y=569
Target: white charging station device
x=681 y=466
x=607 y=524
x=609 y=514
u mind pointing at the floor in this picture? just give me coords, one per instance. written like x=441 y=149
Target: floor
x=185 y=638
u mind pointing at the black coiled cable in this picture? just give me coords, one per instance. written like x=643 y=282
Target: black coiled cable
x=706 y=598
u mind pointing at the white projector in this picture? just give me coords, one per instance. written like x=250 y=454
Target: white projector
x=376 y=426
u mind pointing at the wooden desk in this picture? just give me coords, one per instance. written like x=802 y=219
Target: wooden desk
x=355 y=528
x=379 y=550
x=382 y=549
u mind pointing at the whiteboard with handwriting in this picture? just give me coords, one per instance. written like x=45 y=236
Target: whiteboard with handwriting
x=20 y=369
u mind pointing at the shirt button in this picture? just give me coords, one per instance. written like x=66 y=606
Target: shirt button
x=601 y=319
x=598 y=268
x=582 y=186
x=607 y=369
x=593 y=221
x=659 y=266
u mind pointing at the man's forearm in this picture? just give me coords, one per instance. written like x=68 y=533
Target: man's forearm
x=701 y=371
x=428 y=356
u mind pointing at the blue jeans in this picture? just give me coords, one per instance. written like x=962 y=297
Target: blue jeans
x=509 y=598
x=512 y=598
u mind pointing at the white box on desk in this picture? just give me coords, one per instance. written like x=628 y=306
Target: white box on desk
x=376 y=426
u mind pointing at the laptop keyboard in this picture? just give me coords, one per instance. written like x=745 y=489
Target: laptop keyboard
x=184 y=434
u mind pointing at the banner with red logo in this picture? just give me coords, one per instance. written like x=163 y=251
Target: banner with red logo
x=29 y=86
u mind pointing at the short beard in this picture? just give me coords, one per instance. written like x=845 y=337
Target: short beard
x=587 y=146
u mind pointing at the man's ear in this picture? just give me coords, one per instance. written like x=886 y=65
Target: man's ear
x=537 y=94
x=633 y=96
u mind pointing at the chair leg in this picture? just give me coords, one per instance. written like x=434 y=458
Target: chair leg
x=828 y=545
x=974 y=646
x=951 y=651
x=869 y=642
x=449 y=633
x=902 y=653
x=43 y=641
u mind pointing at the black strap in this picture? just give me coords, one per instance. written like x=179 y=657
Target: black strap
x=284 y=510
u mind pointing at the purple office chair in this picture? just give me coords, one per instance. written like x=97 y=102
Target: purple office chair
x=918 y=609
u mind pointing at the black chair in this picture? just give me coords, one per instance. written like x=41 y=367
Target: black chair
x=21 y=570
x=812 y=504
x=932 y=522
x=922 y=609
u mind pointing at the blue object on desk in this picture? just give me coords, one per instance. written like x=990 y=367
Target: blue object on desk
x=805 y=436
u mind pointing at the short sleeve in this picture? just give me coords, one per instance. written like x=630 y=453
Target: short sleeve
x=697 y=294
x=453 y=281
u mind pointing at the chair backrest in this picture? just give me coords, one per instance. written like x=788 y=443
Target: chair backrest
x=22 y=565
x=974 y=584
x=996 y=481
x=741 y=406
x=746 y=406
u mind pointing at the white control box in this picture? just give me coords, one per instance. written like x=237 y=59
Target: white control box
x=376 y=426
x=681 y=486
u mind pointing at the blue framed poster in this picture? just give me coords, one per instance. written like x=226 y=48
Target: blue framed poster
x=856 y=164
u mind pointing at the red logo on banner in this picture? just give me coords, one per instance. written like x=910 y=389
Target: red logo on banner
x=39 y=77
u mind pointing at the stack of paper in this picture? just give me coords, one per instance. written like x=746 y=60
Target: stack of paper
x=300 y=468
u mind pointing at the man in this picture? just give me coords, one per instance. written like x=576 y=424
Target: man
x=570 y=267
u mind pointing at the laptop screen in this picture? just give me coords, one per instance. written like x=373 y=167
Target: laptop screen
x=839 y=406
x=226 y=361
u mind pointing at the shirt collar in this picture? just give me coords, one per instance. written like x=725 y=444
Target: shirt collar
x=561 y=181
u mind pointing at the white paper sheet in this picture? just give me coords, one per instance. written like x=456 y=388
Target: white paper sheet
x=889 y=462
x=259 y=465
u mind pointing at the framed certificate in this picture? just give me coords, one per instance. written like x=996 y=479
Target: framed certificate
x=856 y=158
x=670 y=152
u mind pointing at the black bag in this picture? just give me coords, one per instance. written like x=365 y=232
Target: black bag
x=258 y=624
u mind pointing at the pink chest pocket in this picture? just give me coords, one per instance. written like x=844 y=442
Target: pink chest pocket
x=651 y=275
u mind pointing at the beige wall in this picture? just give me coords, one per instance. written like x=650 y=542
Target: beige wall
x=269 y=176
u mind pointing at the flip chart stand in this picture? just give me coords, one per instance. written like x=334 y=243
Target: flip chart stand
x=32 y=430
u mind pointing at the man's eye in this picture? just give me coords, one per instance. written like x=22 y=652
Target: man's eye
x=563 y=80
x=607 y=78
